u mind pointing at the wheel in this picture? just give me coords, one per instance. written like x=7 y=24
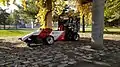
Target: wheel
x=76 y=37
x=49 y=40
x=28 y=44
x=68 y=37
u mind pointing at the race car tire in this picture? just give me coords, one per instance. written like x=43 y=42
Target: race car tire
x=69 y=37
x=49 y=40
x=76 y=37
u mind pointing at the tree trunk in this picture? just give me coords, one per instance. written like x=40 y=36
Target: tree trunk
x=98 y=23
x=4 y=26
x=83 y=24
x=49 y=20
x=48 y=17
x=16 y=26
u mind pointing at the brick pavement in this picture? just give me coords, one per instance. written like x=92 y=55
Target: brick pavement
x=61 y=54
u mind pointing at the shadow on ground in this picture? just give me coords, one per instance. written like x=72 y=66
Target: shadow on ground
x=61 y=51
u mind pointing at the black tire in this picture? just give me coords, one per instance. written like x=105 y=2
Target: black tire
x=76 y=37
x=28 y=44
x=68 y=37
x=49 y=40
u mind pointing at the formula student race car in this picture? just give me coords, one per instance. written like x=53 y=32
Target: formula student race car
x=67 y=31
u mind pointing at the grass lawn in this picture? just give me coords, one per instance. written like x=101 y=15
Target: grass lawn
x=107 y=30
x=19 y=32
x=22 y=32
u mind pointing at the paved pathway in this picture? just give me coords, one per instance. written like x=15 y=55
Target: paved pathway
x=61 y=54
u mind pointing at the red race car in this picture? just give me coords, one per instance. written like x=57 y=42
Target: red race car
x=68 y=30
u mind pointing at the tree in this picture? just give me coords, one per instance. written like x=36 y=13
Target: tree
x=98 y=23
x=3 y=17
x=84 y=7
x=57 y=9
x=112 y=10
x=26 y=14
x=13 y=18
x=29 y=11
x=4 y=2
x=46 y=8
x=83 y=24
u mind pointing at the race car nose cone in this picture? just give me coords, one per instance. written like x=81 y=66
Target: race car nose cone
x=20 y=39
